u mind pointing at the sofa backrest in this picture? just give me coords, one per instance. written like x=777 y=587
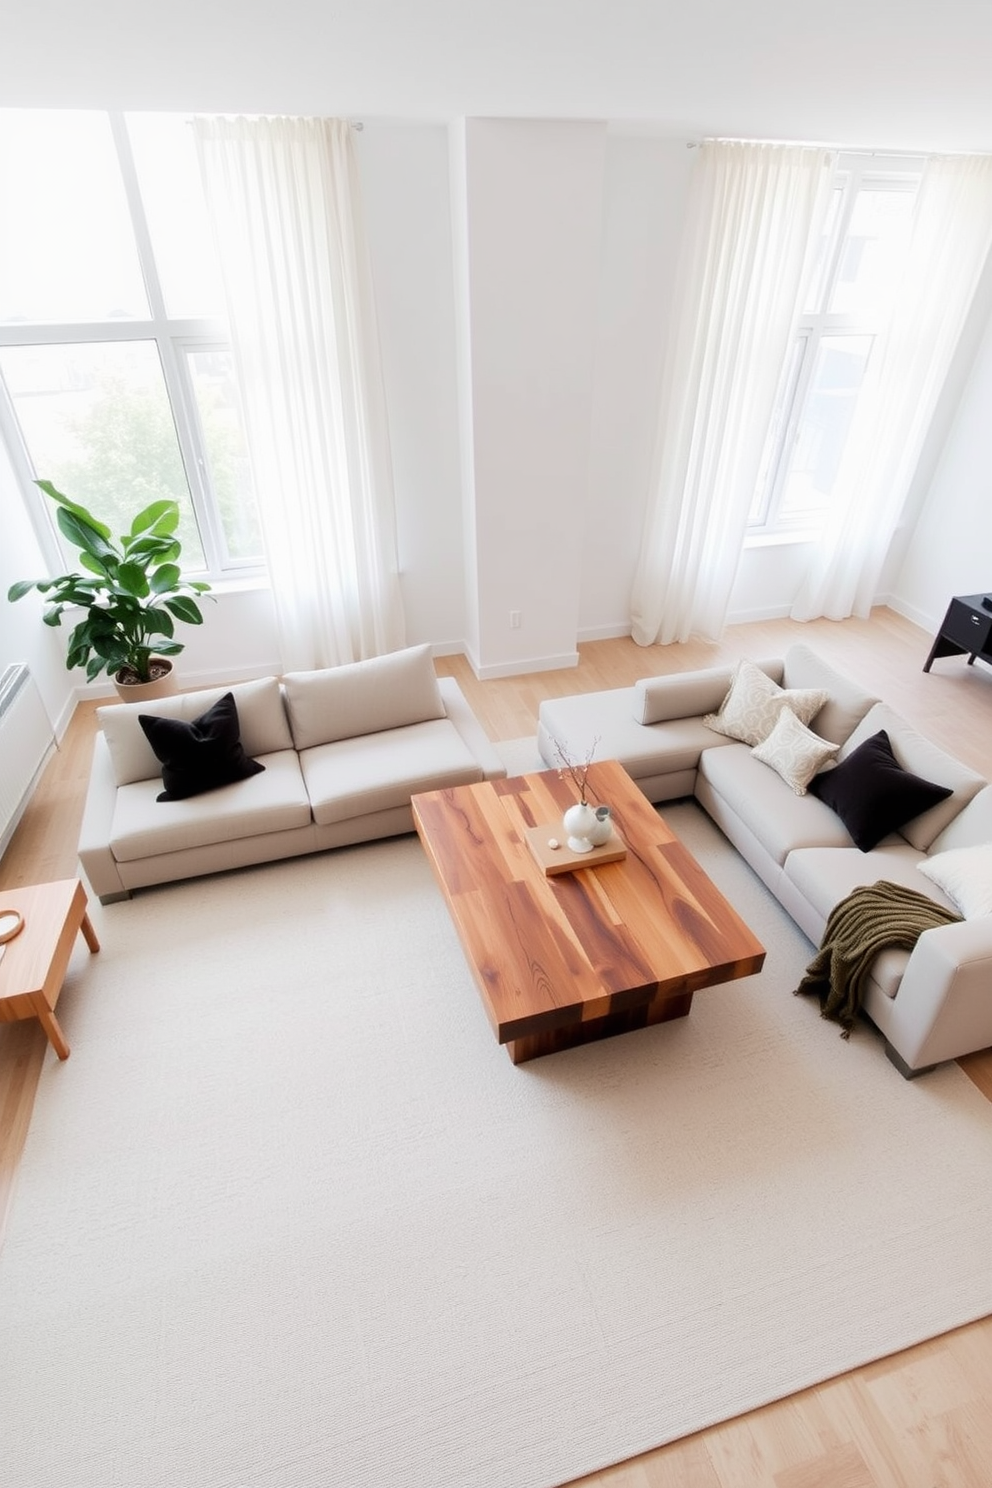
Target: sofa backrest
x=924 y=758
x=261 y=717
x=689 y=694
x=972 y=827
x=848 y=703
x=363 y=697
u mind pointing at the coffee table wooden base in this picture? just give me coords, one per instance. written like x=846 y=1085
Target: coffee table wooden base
x=660 y=1009
x=34 y=963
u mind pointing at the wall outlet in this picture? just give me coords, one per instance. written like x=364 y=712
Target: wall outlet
x=514 y=619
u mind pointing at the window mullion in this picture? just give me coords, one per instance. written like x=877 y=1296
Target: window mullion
x=173 y=363
x=139 y=220
x=805 y=362
x=176 y=367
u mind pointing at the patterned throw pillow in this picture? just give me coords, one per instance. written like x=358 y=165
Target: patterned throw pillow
x=751 y=708
x=794 y=751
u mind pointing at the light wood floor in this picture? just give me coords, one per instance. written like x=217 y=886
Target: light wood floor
x=921 y=1419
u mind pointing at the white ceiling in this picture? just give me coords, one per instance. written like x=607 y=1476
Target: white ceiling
x=910 y=74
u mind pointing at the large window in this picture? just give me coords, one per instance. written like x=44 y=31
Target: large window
x=846 y=306
x=116 y=376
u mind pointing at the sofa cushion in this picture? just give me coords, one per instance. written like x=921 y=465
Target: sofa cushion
x=972 y=825
x=353 y=777
x=275 y=801
x=965 y=876
x=872 y=794
x=847 y=703
x=794 y=751
x=363 y=697
x=688 y=694
x=261 y=716
x=772 y=813
x=825 y=876
x=751 y=708
x=919 y=755
x=202 y=755
x=605 y=723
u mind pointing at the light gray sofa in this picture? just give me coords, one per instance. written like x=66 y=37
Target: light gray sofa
x=932 y=1004
x=343 y=751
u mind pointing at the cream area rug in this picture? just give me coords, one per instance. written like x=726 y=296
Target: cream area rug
x=520 y=756
x=289 y=1218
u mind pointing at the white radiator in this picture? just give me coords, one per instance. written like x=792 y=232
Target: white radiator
x=26 y=741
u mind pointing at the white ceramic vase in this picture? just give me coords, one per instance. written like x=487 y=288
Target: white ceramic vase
x=602 y=830
x=579 y=820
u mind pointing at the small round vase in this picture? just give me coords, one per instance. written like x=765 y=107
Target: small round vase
x=578 y=821
x=602 y=830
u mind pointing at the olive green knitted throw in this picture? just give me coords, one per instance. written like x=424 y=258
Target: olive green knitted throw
x=872 y=918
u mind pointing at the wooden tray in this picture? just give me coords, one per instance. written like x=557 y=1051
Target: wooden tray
x=562 y=859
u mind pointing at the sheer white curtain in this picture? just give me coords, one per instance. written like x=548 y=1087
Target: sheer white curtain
x=952 y=232
x=285 y=206
x=755 y=215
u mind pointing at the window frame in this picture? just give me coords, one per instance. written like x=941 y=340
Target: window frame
x=174 y=338
x=853 y=172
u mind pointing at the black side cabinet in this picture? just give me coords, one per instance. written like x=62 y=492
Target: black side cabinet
x=966 y=629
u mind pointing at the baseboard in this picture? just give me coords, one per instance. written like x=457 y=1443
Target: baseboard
x=603 y=633
x=188 y=681
x=525 y=665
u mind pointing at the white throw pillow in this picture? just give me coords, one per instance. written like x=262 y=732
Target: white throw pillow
x=965 y=875
x=751 y=708
x=794 y=751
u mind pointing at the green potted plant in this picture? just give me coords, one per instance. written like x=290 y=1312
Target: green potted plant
x=131 y=592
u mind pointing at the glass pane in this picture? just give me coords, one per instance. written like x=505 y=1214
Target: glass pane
x=97 y=423
x=873 y=250
x=212 y=375
x=169 y=180
x=816 y=288
x=67 y=251
x=838 y=373
x=764 y=487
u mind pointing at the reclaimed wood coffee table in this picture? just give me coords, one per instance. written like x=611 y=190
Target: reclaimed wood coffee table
x=567 y=958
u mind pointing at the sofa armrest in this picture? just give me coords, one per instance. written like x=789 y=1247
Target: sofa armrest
x=943 y=1008
x=95 y=853
x=471 y=730
x=689 y=694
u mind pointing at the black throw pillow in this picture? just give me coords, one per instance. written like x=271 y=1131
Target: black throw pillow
x=202 y=755
x=872 y=794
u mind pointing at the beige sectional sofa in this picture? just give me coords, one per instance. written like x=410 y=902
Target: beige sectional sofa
x=931 y=1004
x=343 y=750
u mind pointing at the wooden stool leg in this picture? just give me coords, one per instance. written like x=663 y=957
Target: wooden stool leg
x=89 y=934
x=50 y=1024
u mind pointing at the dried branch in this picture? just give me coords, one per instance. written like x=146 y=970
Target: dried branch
x=577 y=773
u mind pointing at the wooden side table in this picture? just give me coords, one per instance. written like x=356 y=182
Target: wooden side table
x=33 y=964
x=965 y=629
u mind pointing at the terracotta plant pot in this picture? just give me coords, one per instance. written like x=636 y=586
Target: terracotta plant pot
x=162 y=684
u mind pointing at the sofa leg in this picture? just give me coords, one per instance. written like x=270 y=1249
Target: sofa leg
x=903 y=1067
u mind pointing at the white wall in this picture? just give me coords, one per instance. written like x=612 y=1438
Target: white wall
x=534 y=195
x=645 y=189
x=23 y=635
x=405 y=188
